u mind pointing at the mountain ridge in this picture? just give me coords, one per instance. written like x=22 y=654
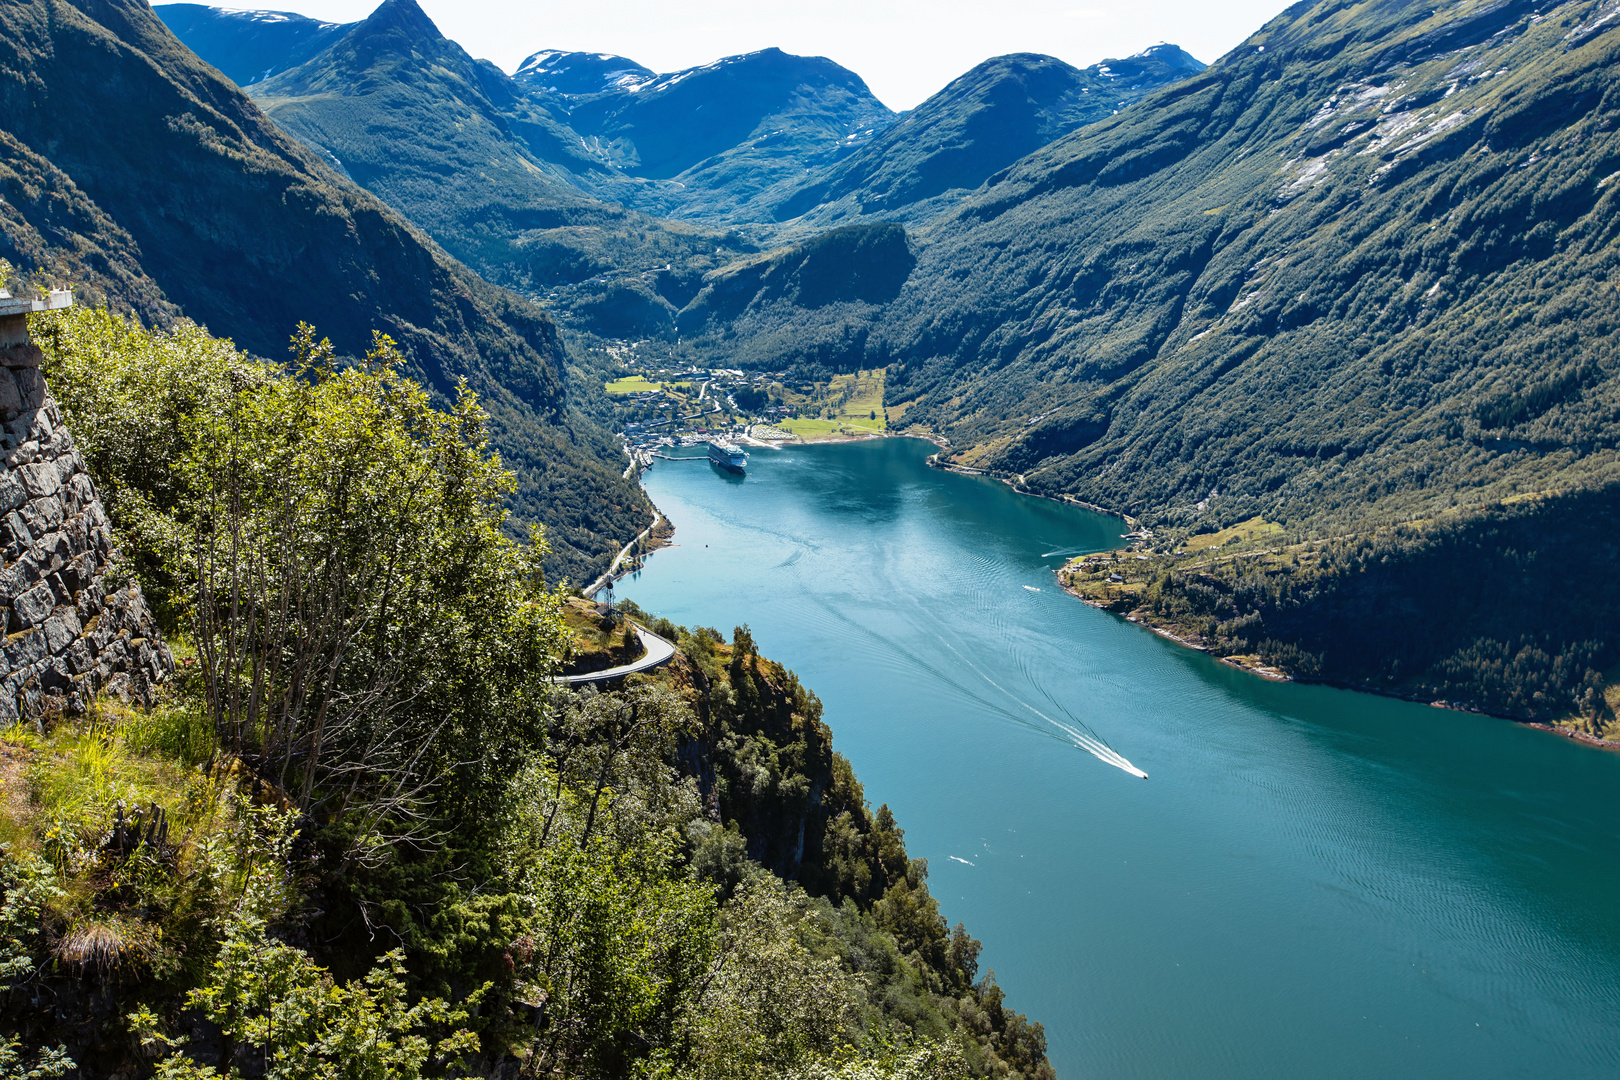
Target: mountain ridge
x=461 y=150
x=981 y=122
x=248 y=46
x=184 y=198
x=724 y=146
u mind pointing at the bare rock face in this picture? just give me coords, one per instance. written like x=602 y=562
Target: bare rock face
x=73 y=624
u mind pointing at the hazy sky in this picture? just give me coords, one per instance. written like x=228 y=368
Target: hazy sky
x=904 y=49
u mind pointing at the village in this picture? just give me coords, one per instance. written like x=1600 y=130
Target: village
x=660 y=406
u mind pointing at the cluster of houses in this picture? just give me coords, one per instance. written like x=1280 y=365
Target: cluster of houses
x=711 y=411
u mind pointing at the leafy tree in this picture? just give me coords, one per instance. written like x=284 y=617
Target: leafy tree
x=287 y=1020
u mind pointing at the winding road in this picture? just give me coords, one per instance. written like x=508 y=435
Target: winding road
x=658 y=653
x=607 y=579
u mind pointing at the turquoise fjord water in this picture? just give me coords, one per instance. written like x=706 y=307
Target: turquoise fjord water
x=1313 y=883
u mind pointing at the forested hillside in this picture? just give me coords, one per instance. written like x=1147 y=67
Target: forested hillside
x=1361 y=271
x=1358 y=268
x=430 y=861
x=137 y=172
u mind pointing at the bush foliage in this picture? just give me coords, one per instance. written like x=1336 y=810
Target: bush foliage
x=367 y=835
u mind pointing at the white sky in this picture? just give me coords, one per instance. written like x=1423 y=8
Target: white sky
x=904 y=49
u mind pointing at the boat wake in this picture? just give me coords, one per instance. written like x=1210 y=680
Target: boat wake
x=1032 y=588
x=1067 y=551
x=1086 y=739
x=1074 y=732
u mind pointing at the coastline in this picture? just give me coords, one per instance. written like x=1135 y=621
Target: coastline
x=1272 y=674
x=935 y=462
x=841 y=437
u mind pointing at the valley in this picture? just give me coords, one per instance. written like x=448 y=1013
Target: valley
x=378 y=356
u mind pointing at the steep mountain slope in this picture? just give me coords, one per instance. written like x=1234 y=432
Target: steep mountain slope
x=248 y=46
x=461 y=150
x=1361 y=271
x=722 y=134
x=137 y=168
x=807 y=304
x=982 y=122
x=1361 y=267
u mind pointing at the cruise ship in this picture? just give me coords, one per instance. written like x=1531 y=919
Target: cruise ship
x=727 y=455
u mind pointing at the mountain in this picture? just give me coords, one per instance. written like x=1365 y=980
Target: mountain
x=138 y=170
x=577 y=74
x=248 y=46
x=1354 y=270
x=478 y=163
x=1003 y=109
x=527 y=178
x=721 y=134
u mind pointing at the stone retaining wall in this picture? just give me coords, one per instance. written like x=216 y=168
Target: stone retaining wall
x=73 y=626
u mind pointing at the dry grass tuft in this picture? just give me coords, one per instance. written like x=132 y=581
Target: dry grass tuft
x=107 y=945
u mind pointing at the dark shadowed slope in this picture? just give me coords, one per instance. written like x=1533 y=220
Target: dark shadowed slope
x=248 y=46
x=468 y=155
x=174 y=192
x=1005 y=108
x=807 y=303
x=1363 y=266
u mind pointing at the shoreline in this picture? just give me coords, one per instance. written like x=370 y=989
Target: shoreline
x=934 y=462
x=661 y=539
x=840 y=437
x=1272 y=674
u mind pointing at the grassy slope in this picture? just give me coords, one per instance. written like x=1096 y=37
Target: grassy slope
x=852 y=399
x=179 y=195
x=1355 y=275
x=633 y=384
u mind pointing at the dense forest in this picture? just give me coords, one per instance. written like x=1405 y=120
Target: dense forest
x=1504 y=609
x=364 y=834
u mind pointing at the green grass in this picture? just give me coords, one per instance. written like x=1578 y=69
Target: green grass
x=1247 y=533
x=826 y=427
x=856 y=400
x=634 y=384
x=865 y=398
